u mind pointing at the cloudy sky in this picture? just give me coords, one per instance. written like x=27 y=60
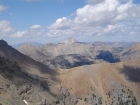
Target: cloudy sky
x=46 y=21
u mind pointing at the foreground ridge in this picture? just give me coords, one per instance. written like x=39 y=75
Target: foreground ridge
x=19 y=88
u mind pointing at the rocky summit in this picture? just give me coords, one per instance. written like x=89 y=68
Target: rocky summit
x=69 y=41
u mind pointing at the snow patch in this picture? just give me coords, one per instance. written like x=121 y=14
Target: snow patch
x=25 y=102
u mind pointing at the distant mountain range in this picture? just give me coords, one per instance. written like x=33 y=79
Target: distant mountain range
x=31 y=43
x=24 y=81
x=71 y=53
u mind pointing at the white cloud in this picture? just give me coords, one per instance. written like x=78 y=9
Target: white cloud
x=5 y=28
x=3 y=8
x=33 y=31
x=94 y=1
x=35 y=27
x=110 y=17
x=20 y=34
x=62 y=23
x=99 y=1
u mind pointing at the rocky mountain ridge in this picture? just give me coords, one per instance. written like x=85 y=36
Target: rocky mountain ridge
x=20 y=87
x=131 y=53
x=74 y=53
x=69 y=41
x=27 y=82
x=31 y=43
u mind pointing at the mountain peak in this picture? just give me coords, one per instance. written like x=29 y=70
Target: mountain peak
x=69 y=41
x=3 y=42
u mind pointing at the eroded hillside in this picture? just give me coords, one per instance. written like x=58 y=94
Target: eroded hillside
x=25 y=81
x=107 y=84
x=18 y=88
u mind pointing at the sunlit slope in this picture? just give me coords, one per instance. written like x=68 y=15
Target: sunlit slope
x=131 y=53
x=112 y=83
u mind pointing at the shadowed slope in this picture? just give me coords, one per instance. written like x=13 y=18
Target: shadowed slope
x=27 y=64
x=16 y=87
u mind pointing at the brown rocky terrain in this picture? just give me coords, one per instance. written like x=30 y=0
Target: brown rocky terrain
x=72 y=53
x=17 y=87
x=105 y=83
x=26 y=63
x=24 y=81
x=131 y=53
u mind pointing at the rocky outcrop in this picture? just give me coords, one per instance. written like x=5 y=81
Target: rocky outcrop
x=69 y=41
